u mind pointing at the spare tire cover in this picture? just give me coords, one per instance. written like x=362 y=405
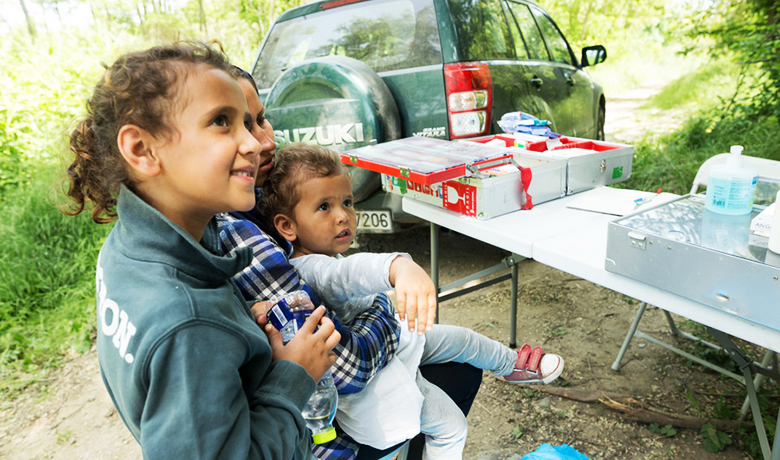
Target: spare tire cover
x=337 y=102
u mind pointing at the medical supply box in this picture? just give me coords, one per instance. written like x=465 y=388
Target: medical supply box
x=707 y=257
x=475 y=178
x=589 y=163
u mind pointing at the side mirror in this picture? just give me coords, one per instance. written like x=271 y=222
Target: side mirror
x=592 y=55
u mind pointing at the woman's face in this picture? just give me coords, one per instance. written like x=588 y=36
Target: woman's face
x=261 y=130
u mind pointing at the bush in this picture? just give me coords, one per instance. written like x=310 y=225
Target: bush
x=47 y=277
x=671 y=161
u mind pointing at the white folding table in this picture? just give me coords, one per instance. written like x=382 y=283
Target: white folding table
x=575 y=241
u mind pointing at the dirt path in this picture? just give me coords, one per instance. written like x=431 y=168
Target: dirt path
x=74 y=419
x=628 y=120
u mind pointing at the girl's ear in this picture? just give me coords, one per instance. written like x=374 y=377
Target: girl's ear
x=286 y=227
x=137 y=148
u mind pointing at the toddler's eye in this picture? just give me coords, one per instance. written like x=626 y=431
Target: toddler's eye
x=323 y=207
x=348 y=203
x=220 y=120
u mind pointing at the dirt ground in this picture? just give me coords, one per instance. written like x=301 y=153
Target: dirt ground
x=72 y=417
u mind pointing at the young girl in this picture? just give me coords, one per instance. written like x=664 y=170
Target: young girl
x=165 y=146
x=309 y=195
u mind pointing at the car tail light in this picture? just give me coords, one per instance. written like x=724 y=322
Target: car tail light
x=469 y=98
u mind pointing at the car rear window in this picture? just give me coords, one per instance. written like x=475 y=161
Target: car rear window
x=386 y=35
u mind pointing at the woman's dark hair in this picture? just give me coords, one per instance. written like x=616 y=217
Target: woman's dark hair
x=295 y=164
x=239 y=73
x=140 y=89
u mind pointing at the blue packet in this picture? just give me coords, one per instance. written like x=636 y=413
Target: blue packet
x=548 y=452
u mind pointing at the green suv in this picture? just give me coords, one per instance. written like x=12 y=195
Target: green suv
x=349 y=73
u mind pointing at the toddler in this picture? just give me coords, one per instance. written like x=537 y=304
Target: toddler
x=309 y=195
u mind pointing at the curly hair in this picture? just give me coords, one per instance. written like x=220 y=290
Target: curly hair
x=142 y=89
x=295 y=164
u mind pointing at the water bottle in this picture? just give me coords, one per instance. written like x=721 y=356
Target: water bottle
x=287 y=315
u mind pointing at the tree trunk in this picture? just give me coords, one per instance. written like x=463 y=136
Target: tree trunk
x=584 y=26
x=271 y=4
x=140 y=14
x=30 y=25
x=201 y=17
x=57 y=10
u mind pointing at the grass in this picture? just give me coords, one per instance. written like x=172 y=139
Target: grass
x=703 y=87
x=696 y=91
x=47 y=296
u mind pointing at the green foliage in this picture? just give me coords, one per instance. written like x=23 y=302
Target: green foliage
x=620 y=23
x=748 y=30
x=48 y=259
x=46 y=279
x=714 y=440
x=701 y=88
x=666 y=430
x=723 y=410
x=671 y=161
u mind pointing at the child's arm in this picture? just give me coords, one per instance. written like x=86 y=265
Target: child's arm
x=365 y=347
x=347 y=285
x=414 y=292
x=309 y=348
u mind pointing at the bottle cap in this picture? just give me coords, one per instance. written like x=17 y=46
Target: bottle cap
x=328 y=434
x=735 y=159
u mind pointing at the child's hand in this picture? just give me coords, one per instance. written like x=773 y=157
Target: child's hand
x=414 y=293
x=309 y=348
x=260 y=310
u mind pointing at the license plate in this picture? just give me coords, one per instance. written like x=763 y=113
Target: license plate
x=374 y=221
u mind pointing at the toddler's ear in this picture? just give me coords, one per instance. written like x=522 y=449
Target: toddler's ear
x=286 y=227
x=137 y=148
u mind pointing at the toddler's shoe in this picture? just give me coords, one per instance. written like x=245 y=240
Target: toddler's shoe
x=535 y=366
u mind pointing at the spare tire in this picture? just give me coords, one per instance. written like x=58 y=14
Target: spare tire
x=337 y=102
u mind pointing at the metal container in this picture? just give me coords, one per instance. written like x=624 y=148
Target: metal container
x=590 y=164
x=707 y=257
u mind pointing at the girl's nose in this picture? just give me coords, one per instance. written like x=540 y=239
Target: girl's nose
x=249 y=145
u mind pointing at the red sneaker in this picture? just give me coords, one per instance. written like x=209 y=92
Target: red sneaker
x=535 y=366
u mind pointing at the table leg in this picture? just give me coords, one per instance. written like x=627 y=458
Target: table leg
x=757 y=382
x=776 y=444
x=513 y=313
x=435 y=265
x=736 y=354
x=629 y=336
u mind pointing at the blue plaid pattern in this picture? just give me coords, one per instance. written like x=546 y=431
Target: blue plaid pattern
x=366 y=345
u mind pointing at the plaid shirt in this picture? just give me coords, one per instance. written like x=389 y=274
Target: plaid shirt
x=366 y=345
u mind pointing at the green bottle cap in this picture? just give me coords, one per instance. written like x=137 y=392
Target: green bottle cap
x=329 y=434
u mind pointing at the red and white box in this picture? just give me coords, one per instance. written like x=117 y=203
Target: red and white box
x=482 y=181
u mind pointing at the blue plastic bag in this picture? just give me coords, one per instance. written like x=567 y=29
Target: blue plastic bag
x=548 y=452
